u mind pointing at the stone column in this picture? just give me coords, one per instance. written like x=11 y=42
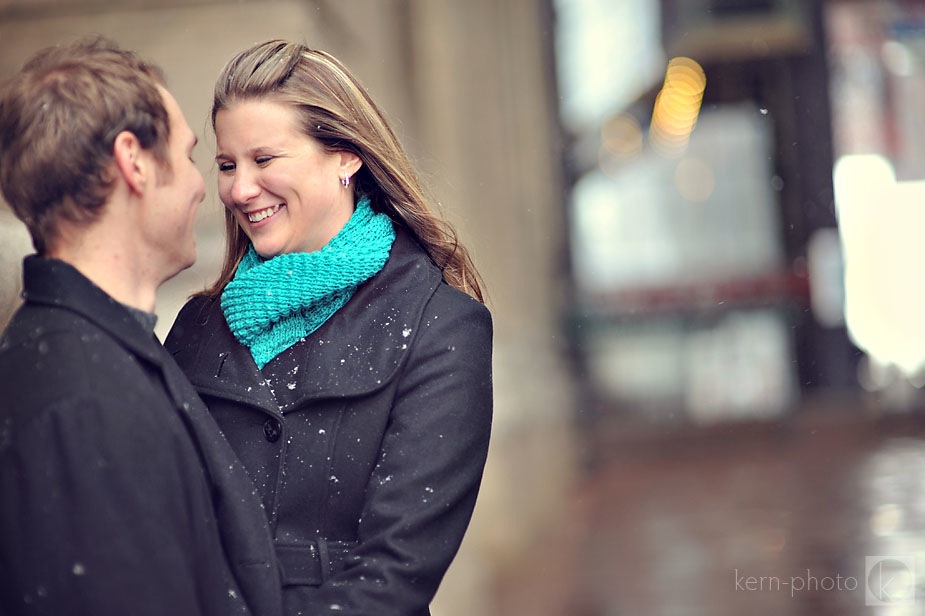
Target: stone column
x=484 y=90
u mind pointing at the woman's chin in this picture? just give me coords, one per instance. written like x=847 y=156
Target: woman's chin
x=267 y=253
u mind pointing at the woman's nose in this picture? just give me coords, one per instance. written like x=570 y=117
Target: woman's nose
x=244 y=187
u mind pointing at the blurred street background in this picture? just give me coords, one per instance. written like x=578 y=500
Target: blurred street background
x=701 y=224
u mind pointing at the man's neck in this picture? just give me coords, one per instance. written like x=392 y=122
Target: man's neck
x=111 y=263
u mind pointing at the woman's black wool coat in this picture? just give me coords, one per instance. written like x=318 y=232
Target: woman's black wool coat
x=367 y=439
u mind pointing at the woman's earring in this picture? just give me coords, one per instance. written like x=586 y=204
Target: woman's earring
x=345 y=181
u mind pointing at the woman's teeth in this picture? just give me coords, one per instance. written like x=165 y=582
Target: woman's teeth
x=258 y=216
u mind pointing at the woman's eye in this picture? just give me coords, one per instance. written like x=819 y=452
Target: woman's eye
x=262 y=160
x=226 y=167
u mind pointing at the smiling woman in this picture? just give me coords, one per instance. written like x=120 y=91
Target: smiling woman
x=344 y=350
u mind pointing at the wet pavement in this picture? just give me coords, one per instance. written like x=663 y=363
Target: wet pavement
x=823 y=513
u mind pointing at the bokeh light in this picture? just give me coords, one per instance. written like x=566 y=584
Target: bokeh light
x=677 y=106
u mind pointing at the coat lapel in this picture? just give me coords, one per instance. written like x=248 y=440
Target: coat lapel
x=241 y=516
x=328 y=363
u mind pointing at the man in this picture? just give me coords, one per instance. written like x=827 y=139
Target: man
x=118 y=494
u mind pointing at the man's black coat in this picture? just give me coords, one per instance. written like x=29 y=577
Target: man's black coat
x=118 y=494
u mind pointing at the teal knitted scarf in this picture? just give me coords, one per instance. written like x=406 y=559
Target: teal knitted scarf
x=272 y=304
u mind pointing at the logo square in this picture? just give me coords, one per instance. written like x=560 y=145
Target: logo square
x=889 y=580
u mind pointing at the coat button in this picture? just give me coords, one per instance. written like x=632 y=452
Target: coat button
x=272 y=429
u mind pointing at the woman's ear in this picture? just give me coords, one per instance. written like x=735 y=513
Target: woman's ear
x=350 y=163
x=131 y=161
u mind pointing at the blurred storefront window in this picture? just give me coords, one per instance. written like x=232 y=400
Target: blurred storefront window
x=679 y=262
x=682 y=290
x=713 y=279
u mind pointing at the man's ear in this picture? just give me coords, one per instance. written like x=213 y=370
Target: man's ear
x=131 y=161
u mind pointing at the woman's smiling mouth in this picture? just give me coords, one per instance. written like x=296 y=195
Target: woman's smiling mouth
x=263 y=214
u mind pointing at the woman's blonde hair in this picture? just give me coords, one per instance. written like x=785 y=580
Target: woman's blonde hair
x=336 y=110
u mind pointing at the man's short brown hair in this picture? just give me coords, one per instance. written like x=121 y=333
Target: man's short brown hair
x=59 y=118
